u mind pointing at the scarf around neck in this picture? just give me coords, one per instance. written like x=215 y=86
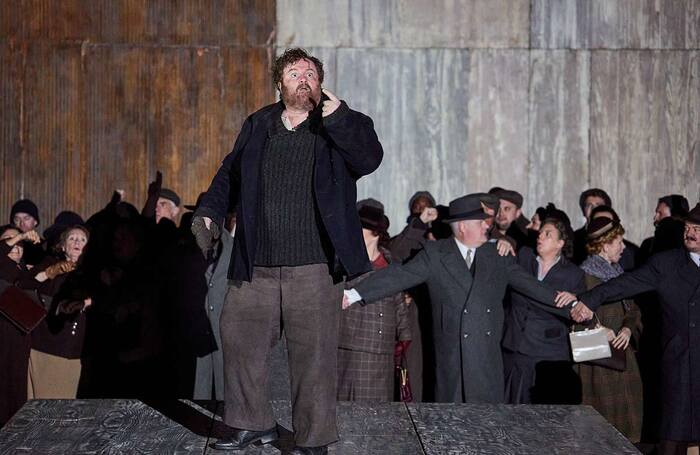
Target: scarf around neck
x=600 y=268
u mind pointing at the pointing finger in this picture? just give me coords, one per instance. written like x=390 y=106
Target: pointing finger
x=330 y=95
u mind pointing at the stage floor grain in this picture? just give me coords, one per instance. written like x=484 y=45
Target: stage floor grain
x=186 y=427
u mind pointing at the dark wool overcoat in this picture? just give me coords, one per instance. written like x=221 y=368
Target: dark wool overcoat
x=467 y=313
x=346 y=147
x=676 y=279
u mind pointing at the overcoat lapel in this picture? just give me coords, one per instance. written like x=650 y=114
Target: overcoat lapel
x=457 y=266
x=690 y=273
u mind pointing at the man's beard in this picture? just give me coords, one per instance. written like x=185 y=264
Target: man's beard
x=303 y=98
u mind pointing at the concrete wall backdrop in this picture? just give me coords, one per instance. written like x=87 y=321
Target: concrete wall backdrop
x=545 y=97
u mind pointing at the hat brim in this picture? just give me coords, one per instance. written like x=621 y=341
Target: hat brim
x=190 y=207
x=694 y=219
x=476 y=216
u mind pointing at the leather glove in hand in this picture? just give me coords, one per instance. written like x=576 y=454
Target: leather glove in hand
x=204 y=237
x=59 y=268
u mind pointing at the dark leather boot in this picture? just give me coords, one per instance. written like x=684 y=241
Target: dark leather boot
x=243 y=438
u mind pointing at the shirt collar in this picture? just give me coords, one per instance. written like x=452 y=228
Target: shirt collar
x=696 y=258
x=464 y=248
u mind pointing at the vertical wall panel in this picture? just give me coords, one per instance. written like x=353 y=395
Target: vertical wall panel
x=418 y=101
x=404 y=23
x=110 y=92
x=559 y=114
x=615 y=24
x=497 y=145
x=11 y=158
x=117 y=92
x=645 y=130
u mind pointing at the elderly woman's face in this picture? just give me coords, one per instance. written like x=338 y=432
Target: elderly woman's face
x=74 y=244
x=17 y=251
x=613 y=249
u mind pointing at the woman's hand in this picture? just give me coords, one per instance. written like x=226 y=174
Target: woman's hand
x=608 y=331
x=564 y=298
x=622 y=340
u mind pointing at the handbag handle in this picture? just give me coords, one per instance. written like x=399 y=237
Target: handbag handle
x=597 y=324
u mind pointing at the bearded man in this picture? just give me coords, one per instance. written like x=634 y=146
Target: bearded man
x=291 y=178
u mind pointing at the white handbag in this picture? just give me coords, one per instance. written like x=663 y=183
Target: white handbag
x=590 y=344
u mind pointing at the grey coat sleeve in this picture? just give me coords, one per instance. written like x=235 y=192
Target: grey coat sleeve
x=626 y=285
x=526 y=284
x=395 y=278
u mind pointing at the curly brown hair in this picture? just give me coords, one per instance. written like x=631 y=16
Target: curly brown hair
x=565 y=233
x=290 y=56
x=595 y=246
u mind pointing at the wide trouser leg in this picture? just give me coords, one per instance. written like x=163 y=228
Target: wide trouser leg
x=311 y=317
x=250 y=325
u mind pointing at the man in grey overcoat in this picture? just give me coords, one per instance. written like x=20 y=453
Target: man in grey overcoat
x=466 y=279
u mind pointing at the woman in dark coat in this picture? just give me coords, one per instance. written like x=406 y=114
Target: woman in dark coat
x=57 y=343
x=368 y=334
x=617 y=395
x=14 y=344
x=536 y=353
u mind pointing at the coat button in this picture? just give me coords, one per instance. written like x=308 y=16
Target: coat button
x=380 y=331
x=488 y=310
x=692 y=303
x=692 y=325
x=211 y=285
x=381 y=314
x=466 y=312
x=466 y=335
x=488 y=333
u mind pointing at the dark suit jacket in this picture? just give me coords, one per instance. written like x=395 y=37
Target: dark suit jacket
x=676 y=279
x=346 y=148
x=467 y=313
x=529 y=329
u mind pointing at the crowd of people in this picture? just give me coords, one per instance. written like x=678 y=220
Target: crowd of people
x=472 y=302
x=133 y=306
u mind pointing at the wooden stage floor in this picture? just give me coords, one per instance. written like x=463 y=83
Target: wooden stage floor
x=185 y=427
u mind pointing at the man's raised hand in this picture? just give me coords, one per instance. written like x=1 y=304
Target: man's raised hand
x=330 y=105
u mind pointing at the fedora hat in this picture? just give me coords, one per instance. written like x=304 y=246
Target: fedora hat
x=466 y=208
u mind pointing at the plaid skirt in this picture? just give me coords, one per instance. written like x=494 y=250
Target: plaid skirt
x=365 y=376
x=617 y=395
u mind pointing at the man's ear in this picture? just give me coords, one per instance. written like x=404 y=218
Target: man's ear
x=279 y=86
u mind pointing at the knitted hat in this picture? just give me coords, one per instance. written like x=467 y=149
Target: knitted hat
x=420 y=194
x=170 y=195
x=24 y=206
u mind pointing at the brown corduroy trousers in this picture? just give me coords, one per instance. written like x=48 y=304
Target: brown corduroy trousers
x=304 y=301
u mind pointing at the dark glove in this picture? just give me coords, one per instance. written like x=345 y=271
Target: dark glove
x=400 y=350
x=71 y=306
x=204 y=237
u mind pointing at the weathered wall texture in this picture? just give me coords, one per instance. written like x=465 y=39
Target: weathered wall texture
x=99 y=94
x=545 y=97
